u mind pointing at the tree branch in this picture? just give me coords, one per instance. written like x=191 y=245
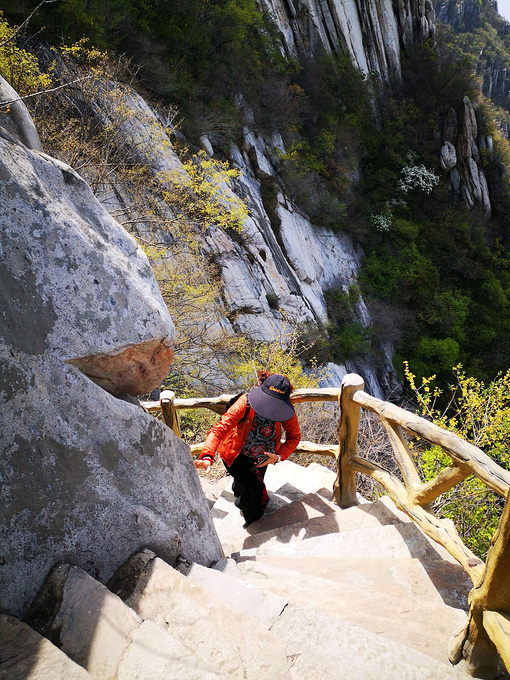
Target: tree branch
x=51 y=89
x=20 y=27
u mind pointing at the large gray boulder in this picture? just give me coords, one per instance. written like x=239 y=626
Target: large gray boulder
x=86 y=476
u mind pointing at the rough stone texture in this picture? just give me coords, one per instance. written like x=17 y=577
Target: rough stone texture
x=232 y=642
x=264 y=607
x=468 y=130
x=74 y=282
x=435 y=581
x=420 y=624
x=388 y=541
x=307 y=517
x=90 y=478
x=98 y=631
x=266 y=280
x=26 y=654
x=448 y=156
x=85 y=476
x=373 y=32
x=460 y=154
x=455 y=12
x=17 y=120
x=325 y=648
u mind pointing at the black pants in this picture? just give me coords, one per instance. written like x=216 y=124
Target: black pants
x=249 y=487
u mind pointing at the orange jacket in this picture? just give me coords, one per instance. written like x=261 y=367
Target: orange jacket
x=228 y=435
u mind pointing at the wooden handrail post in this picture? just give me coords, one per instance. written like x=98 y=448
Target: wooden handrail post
x=487 y=632
x=166 y=400
x=344 y=489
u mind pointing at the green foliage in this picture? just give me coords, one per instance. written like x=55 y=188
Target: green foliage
x=333 y=112
x=479 y=413
x=194 y=52
x=347 y=341
x=343 y=337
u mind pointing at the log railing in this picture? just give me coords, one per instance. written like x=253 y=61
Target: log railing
x=487 y=631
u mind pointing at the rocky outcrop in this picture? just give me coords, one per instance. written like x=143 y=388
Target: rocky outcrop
x=275 y=272
x=462 y=155
x=18 y=122
x=84 y=474
x=458 y=12
x=372 y=33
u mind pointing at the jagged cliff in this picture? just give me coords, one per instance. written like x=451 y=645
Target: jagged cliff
x=270 y=281
x=373 y=33
x=275 y=273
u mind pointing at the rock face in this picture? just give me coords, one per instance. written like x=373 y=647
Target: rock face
x=270 y=275
x=373 y=32
x=462 y=154
x=83 y=473
x=458 y=12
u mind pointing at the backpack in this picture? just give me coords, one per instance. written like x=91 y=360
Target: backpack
x=233 y=400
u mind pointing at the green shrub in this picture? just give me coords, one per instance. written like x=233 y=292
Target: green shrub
x=479 y=413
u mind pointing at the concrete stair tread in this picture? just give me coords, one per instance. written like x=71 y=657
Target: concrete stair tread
x=264 y=607
x=309 y=516
x=425 y=625
x=102 y=634
x=390 y=541
x=434 y=581
x=285 y=483
x=232 y=641
x=26 y=654
x=326 y=648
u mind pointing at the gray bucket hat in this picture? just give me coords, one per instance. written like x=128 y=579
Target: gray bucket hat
x=271 y=400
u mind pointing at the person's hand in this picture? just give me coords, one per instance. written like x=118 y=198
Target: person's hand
x=204 y=464
x=271 y=458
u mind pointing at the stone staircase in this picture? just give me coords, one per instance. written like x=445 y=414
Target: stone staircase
x=310 y=592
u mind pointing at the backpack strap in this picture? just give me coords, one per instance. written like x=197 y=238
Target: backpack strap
x=247 y=411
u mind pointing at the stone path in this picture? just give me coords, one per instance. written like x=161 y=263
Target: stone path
x=310 y=592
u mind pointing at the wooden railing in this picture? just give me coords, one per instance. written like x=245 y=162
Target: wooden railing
x=487 y=631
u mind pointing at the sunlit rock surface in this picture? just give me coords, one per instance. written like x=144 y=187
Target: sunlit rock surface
x=272 y=279
x=85 y=476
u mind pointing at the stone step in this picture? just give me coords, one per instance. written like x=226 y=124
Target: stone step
x=434 y=581
x=26 y=654
x=231 y=641
x=293 y=481
x=213 y=487
x=389 y=541
x=421 y=624
x=328 y=657
x=264 y=607
x=102 y=634
x=285 y=482
x=319 y=517
x=326 y=648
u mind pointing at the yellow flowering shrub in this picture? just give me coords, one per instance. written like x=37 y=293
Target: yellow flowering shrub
x=17 y=66
x=480 y=414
